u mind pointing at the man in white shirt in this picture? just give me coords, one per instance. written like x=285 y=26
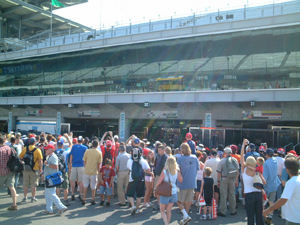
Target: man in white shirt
x=213 y=164
x=290 y=198
x=280 y=164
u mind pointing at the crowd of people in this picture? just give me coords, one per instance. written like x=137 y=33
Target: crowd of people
x=189 y=175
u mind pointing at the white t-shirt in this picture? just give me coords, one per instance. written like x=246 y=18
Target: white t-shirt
x=280 y=164
x=213 y=164
x=291 y=209
x=65 y=153
x=143 y=163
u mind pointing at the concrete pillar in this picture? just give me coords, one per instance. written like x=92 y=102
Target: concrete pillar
x=20 y=29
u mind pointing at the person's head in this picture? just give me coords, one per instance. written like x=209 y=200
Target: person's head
x=198 y=154
x=2 y=139
x=135 y=142
x=122 y=147
x=234 y=149
x=262 y=149
x=203 y=158
x=108 y=144
x=49 y=138
x=42 y=140
x=86 y=140
x=60 y=144
x=292 y=166
x=208 y=171
x=49 y=149
x=227 y=151
x=214 y=153
x=220 y=147
x=171 y=165
x=12 y=140
x=280 y=152
x=116 y=137
x=150 y=156
x=136 y=154
x=18 y=140
x=252 y=147
x=142 y=144
x=32 y=141
x=107 y=163
x=74 y=141
x=161 y=150
x=80 y=140
x=260 y=161
x=95 y=144
x=269 y=153
x=168 y=150
x=250 y=161
x=185 y=149
x=37 y=138
x=188 y=136
x=18 y=135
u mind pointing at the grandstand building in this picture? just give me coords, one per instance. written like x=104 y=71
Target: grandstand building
x=235 y=72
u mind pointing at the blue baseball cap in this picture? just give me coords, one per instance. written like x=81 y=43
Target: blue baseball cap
x=136 y=140
x=269 y=151
x=60 y=142
x=252 y=146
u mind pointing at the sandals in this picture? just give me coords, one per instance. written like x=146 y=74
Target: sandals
x=92 y=202
x=83 y=202
x=13 y=207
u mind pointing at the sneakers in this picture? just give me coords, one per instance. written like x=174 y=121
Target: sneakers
x=209 y=217
x=34 y=199
x=60 y=212
x=24 y=200
x=137 y=211
x=203 y=217
x=156 y=208
x=107 y=204
x=185 y=221
x=73 y=198
x=101 y=203
x=148 y=205
x=67 y=203
x=133 y=210
x=45 y=212
x=265 y=201
x=194 y=202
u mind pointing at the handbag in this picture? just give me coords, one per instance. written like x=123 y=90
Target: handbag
x=54 y=180
x=164 y=188
x=257 y=182
x=202 y=201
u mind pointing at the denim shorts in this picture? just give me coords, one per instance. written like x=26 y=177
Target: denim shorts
x=108 y=190
x=198 y=186
x=166 y=200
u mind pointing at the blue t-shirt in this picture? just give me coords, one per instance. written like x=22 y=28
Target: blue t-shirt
x=188 y=166
x=77 y=152
x=192 y=146
x=254 y=154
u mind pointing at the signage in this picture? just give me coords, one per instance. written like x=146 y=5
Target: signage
x=162 y=114
x=58 y=123
x=33 y=112
x=90 y=113
x=208 y=120
x=29 y=68
x=9 y=122
x=122 y=126
x=271 y=115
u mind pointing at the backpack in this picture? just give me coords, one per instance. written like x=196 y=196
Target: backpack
x=61 y=161
x=255 y=156
x=137 y=171
x=29 y=159
x=15 y=164
x=231 y=167
x=107 y=155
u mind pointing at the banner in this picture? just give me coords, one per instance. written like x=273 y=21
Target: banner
x=162 y=114
x=24 y=69
x=271 y=115
x=208 y=120
x=90 y=113
x=9 y=122
x=58 y=123
x=122 y=126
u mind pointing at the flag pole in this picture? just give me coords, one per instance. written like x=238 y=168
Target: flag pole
x=51 y=24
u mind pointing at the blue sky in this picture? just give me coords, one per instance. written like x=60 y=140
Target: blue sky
x=121 y=12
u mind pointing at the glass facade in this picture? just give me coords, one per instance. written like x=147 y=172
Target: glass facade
x=258 y=59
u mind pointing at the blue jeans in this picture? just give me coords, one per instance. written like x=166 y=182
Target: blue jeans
x=254 y=208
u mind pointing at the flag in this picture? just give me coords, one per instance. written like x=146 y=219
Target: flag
x=57 y=3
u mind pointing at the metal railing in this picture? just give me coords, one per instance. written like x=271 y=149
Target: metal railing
x=288 y=147
x=250 y=11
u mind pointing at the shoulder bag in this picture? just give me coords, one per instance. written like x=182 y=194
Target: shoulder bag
x=164 y=188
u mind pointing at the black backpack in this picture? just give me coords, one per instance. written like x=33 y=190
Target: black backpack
x=107 y=155
x=61 y=161
x=29 y=159
x=15 y=164
x=137 y=172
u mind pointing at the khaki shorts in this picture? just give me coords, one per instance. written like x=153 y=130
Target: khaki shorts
x=90 y=179
x=271 y=196
x=186 y=195
x=65 y=184
x=77 y=173
x=30 y=178
x=8 y=180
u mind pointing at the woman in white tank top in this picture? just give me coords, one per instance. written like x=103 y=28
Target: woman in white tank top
x=253 y=196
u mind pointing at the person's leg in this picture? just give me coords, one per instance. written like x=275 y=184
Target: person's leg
x=49 y=206
x=25 y=191
x=250 y=207
x=131 y=200
x=258 y=209
x=271 y=198
x=17 y=175
x=72 y=187
x=223 y=194
x=84 y=193
x=120 y=186
x=93 y=194
x=25 y=182
x=187 y=206
x=33 y=191
x=210 y=210
x=108 y=198
x=163 y=213
x=138 y=202
x=169 y=212
x=204 y=210
x=102 y=197
x=13 y=195
x=55 y=199
x=147 y=194
x=81 y=188
x=231 y=195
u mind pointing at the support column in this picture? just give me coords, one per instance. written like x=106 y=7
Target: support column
x=20 y=29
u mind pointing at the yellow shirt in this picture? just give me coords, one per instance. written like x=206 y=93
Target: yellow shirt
x=36 y=156
x=91 y=158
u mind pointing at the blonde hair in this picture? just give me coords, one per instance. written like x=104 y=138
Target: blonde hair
x=250 y=161
x=185 y=149
x=208 y=171
x=171 y=165
x=168 y=151
x=260 y=161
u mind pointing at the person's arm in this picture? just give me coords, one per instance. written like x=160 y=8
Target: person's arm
x=237 y=179
x=111 y=181
x=277 y=205
x=201 y=189
x=283 y=182
x=71 y=160
x=179 y=177
x=243 y=164
x=100 y=179
x=126 y=143
x=117 y=169
x=201 y=165
x=160 y=179
x=41 y=165
x=98 y=166
x=262 y=178
x=68 y=140
x=102 y=139
x=112 y=138
x=49 y=165
x=219 y=179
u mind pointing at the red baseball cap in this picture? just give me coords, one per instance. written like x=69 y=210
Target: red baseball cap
x=108 y=143
x=31 y=136
x=262 y=148
x=75 y=140
x=188 y=136
x=281 y=151
x=293 y=152
x=49 y=147
x=234 y=148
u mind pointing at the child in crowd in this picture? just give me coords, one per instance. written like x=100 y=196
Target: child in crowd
x=149 y=180
x=107 y=174
x=260 y=168
x=168 y=151
x=201 y=159
x=207 y=190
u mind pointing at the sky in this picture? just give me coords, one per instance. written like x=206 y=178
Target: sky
x=109 y=13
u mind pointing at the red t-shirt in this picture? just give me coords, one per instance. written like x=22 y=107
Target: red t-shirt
x=107 y=174
x=146 y=151
x=117 y=149
x=112 y=153
x=260 y=169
